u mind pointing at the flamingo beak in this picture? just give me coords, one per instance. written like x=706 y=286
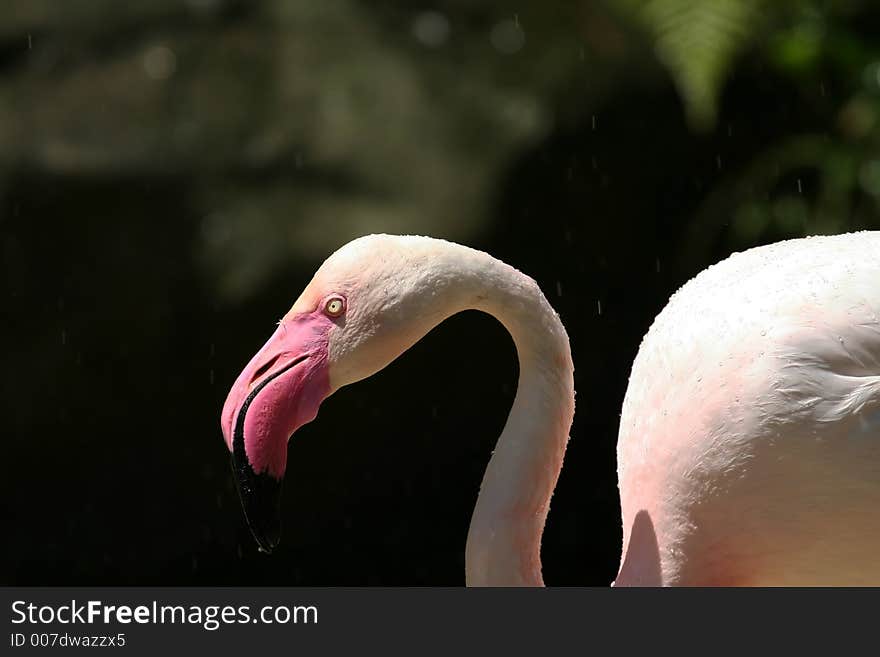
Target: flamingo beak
x=279 y=391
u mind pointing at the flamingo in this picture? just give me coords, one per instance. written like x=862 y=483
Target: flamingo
x=749 y=441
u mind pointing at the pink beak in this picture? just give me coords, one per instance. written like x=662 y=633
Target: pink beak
x=279 y=391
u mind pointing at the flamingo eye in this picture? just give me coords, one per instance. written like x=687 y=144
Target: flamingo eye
x=334 y=307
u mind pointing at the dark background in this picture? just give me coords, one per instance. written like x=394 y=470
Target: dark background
x=172 y=173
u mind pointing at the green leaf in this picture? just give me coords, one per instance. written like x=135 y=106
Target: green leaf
x=697 y=41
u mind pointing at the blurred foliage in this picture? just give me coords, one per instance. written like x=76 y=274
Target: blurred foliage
x=291 y=146
x=813 y=182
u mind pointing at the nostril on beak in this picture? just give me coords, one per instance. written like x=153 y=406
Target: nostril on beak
x=264 y=368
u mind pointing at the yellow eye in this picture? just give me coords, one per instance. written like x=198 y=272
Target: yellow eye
x=334 y=307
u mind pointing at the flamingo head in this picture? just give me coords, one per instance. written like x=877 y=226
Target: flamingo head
x=364 y=306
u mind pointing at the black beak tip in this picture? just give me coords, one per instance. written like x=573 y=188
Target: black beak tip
x=261 y=500
x=262 y=509
x=260 y=493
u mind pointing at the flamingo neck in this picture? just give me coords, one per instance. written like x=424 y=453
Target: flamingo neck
x=504 y=540
x=435 y=280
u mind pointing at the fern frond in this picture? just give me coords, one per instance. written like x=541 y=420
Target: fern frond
x=697 y=41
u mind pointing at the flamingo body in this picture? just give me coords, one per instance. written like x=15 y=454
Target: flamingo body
x=749 y=443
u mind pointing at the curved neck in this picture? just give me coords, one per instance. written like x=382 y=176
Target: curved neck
x=504 y=541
